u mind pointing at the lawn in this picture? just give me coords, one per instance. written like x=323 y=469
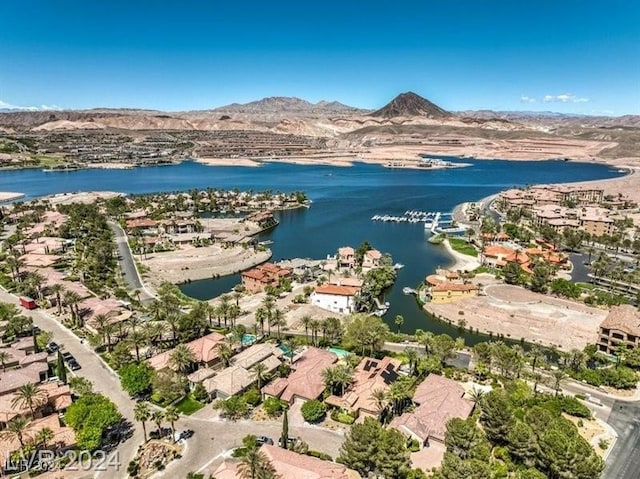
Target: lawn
x=461 y=246
x=587 y=286
x=189 y=405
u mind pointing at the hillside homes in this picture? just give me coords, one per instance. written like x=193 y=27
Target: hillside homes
x=255 y=280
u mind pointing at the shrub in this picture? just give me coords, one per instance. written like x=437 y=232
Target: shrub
x=573 y=407
x=199 y=393
x=413 y=446
x=313 y=411
x=252 y=397
x=342 y=416
x=319 y=455
x=133 y=468
x=273 y=406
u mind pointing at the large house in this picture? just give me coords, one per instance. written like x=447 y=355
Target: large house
x=292 y=465
x=346 y=257
x=621 y=327
x=334 y=298
x=255 y=280
x=371 y=259
x=239 y=375
x=204 y=349
x=305 y=381
x=439 y=399
x=447 y=287
x=370 y=375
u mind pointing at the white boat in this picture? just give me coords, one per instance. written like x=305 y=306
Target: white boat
x=398 y=266
x=408 y=290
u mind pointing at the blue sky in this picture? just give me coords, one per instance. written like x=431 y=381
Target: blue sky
x=574 y=56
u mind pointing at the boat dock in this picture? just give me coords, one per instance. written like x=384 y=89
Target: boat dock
x=409 y=216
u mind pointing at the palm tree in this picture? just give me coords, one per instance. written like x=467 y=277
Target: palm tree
x=172 y=415
x=412 y=356
x=71 y=299
x=315 y=327
x=425 y=338
x=256 y=465
x=557 y=377
x=157 y=417
x=44 y=436
x=181 y=358
x=58 y=289
x=4 y=357
x=260 y=370
x=102 y=322
x=137 y=339
x=173 y=320
x=15 y=429
x=261 y=317
x=380 y=397
x=29 y=395
x=142 y=413
x=306 y=322
x=224 y=352
x=399 y=321
x=278 y=320
x=223 y=308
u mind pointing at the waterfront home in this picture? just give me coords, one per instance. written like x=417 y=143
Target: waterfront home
x=439 y=399
x=371 y=259
x=621 y=328
x=446 y=287
x=255 y=280
x=305 y=381
x=291 y=465
x=370 y=375
x=346 y=257
x=337 y=299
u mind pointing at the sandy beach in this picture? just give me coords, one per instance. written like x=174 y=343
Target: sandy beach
x=228 y=162
x=462 y=262
x=10 y=196
x=190 y=263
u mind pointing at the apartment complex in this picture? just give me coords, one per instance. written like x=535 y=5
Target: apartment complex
x=621 y=327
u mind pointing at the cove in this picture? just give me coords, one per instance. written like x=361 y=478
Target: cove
x=344 y=200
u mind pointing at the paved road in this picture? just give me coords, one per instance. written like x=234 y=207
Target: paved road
x=104 y=379
x=624 y=460
x=127 y=263
x=213 y=438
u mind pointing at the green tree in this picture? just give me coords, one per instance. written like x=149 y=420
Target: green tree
x=496 y=415
x=29 y=396
x=61 y=370
x=80 y=386
x=540 y=277
x=523 y=444
x=171 y=414
x=142 y=413
x=16 y=429
x=369 y=448
x=136 y=378
x=44 y=437
x=512 y=273
x=443 y=347
x=284 y=437
x=398 y=321
x=463 y=437
x=182 y=358
x=89 y=417
x=313 y=411
x=234 y=407
x=364 y=332
x=254 y=463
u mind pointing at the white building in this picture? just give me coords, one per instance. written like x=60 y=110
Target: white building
x=337 y=299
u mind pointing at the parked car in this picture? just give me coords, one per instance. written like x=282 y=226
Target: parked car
x=186 y=434
x=290 y=441
x=52 y=347
x=73 y=365
x=264 y=440
x=67 y=356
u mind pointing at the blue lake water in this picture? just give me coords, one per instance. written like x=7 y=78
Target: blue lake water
x=344 y=200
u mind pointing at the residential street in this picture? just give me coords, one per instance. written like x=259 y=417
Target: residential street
x=127 y=263
x=624 y=460
x=104 y=380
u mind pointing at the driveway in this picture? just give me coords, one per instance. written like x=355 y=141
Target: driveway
x=624 y=460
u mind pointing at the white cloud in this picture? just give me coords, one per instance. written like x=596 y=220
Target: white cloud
x=8 y=106
x=564 y=98
x=527 y=99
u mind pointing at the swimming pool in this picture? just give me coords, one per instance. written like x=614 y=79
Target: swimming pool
x=248 y=339
x=341 y=353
